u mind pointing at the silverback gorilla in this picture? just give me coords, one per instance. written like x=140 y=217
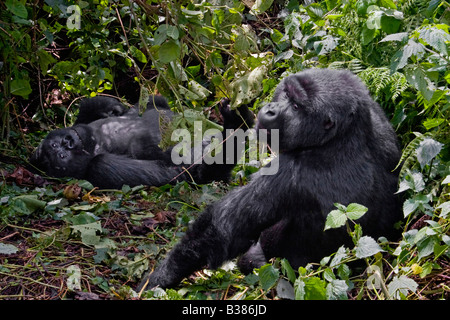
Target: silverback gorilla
x=336 y=146
x=110 y=146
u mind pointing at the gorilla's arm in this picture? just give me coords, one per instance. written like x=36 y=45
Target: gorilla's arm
x=99 y=107
x=223 y=231
x=239 y=119
x=113 y=171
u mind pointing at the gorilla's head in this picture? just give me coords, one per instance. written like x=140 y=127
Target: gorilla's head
x=65 y=152
x=312 y=107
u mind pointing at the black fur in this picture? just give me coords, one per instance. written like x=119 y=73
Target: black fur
x=337 y=146
x=110 y=146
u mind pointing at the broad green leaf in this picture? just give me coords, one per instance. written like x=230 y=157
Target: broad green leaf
x=340 y=255
x=337 y=290
x=326 y=45
x=400 y=286
x=445 y=209
x=88 y=232
x=45 y=59
x=17 y=8
x=355 y=211
x=419 y=80
x=169 y=51
x=248 y=87
x=261 y=5
x=401 y=36
x=426 y=246
x=285 y=290
x=388 y=4
x=446 y=180
x=390 y=24
x=400 y=58
x=164 y=32
x=73 y=277
x=368 y=34
x=287 y=270
x=268 y=276
x=27 y=204
x=135 y=52
x=311 y=289
x=428 y=149
x=300 y=286
x=21 y=87
x=433 y=123
x=437 y=38
x=412 y=204
x=217 y=19
x=366 y=247
x=335 y=219
x=8 y=249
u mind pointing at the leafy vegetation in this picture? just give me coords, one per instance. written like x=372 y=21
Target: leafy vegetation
x=62 y=239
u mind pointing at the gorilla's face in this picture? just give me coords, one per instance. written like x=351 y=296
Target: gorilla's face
x=65 y=152
x=307 y=111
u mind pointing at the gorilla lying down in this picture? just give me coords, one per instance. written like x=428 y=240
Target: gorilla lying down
x=110 y=146
x=337 y=146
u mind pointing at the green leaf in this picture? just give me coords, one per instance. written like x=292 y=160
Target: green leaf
x=27 y=204
x=326 y=45
x=433 y=123
x=367 y=35
x=337 y=290
x=400 y=286
x=355 y=211
x=366 y=247
x=45 y=59
x=169 y=51
x=88 y=232
x=411 y=205
x=287 y=270
x=8 y=249
x=135 y=52
x=340 y=255
x=445 y=209
x=335 y=219
x=435 y=37
x=390 y=24
x=401 y=36
x=310 y=289
x=419 y=80
x=17 y=8
x=21 y=87
x=73 y=277
x=400 y=58
x=425 y=246
x=428 y=149
x=261 y=5
x=248 y=87
x=268 y=276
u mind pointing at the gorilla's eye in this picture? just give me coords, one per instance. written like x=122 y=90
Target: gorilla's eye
x=54 y=145
x=295 y=106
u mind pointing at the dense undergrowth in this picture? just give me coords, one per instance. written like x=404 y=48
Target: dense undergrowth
x=62 y=239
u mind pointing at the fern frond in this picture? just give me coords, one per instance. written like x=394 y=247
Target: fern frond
x=378 y=79
x=354 y=65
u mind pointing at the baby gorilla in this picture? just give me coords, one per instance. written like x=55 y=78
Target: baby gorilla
x=111 y=146
x=337 y=146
